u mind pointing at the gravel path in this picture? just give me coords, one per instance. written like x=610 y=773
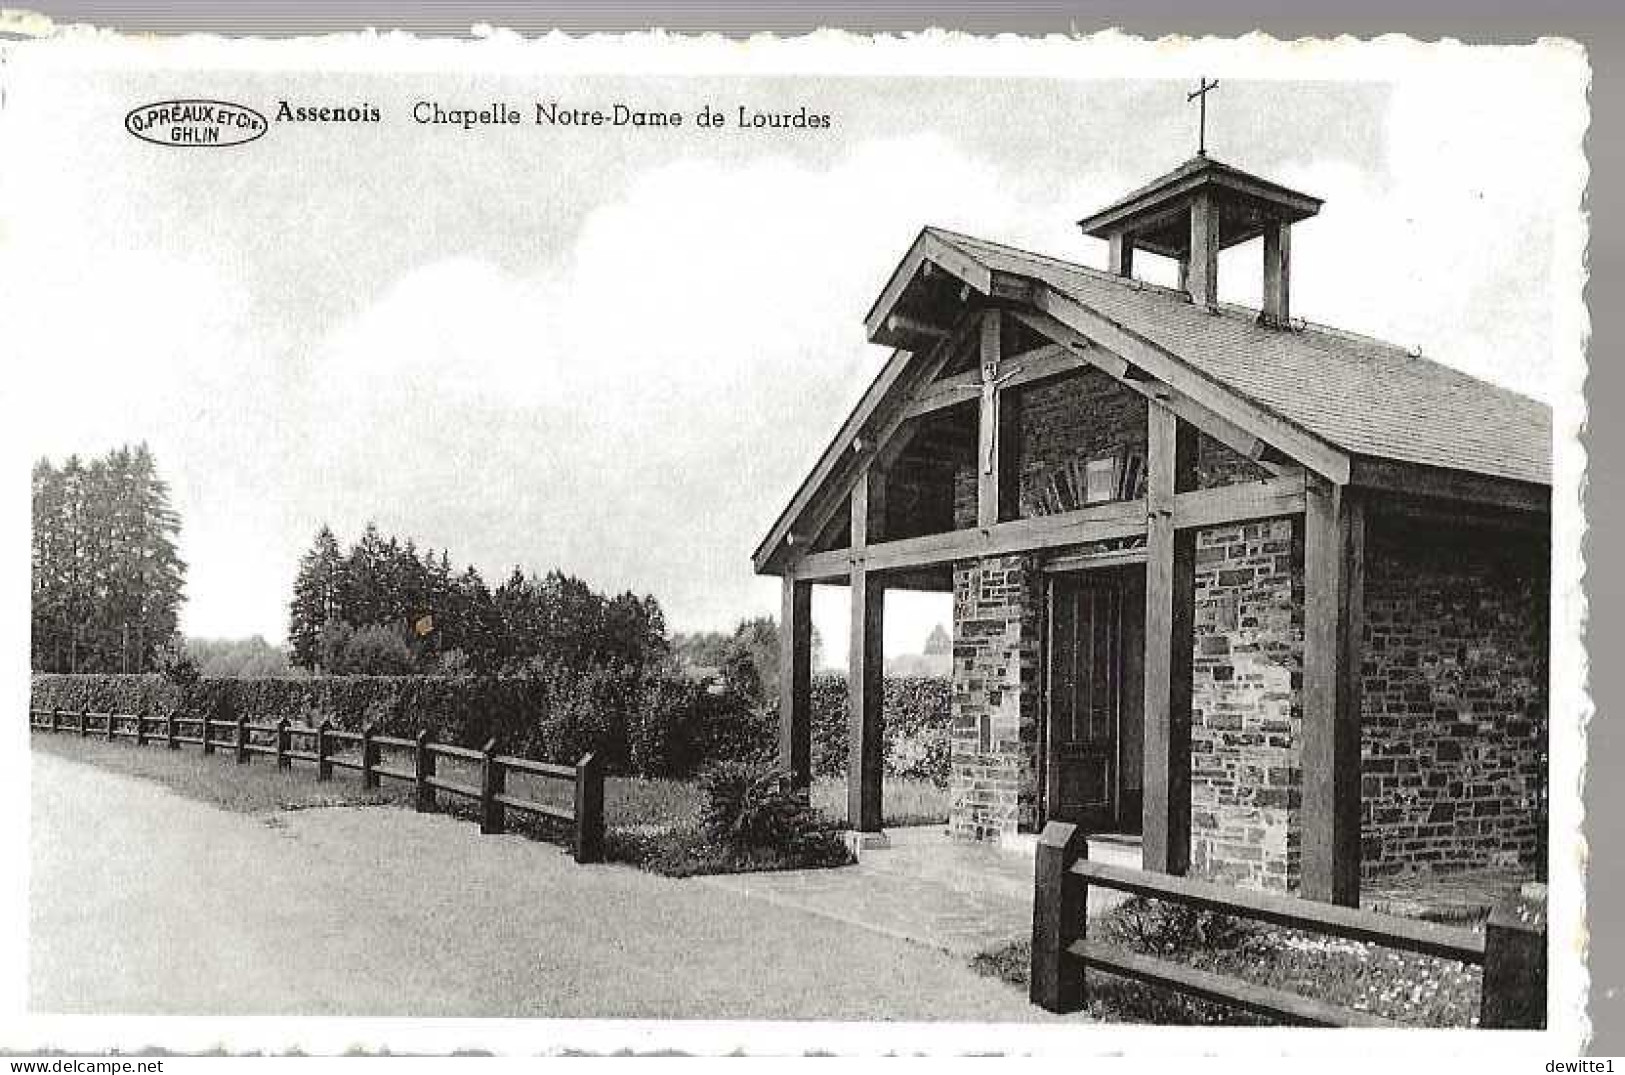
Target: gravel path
x=143 y=902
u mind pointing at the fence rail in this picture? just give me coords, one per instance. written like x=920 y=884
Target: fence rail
x=1512 y=948
x=586 y=812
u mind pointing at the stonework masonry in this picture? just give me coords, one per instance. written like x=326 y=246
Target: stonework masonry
x=1246 y=773
x=998 y=616
x=1454 y=682
x=1454 y=727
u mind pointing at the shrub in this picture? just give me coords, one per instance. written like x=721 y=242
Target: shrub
x=663 y=736
x=752 y=803
x=1163 y=928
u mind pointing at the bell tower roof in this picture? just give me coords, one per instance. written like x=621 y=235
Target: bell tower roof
x=1155 y=218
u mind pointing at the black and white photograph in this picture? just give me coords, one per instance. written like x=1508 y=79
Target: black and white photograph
x=853 y=544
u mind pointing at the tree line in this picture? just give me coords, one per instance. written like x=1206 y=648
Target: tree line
x=107 y=580
x=382 y=607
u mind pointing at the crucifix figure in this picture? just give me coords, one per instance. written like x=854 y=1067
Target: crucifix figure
x=991 y=380
x=1200 y=94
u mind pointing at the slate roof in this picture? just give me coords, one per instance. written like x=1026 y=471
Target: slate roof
x=1366 y=397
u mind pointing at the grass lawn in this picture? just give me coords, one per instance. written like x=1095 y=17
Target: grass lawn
x=651 y=823
x=1413 y=989
x=256 y=788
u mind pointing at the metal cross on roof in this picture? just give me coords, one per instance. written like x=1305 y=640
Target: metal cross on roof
x=1200 y=94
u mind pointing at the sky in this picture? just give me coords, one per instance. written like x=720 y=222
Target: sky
x=618 y=352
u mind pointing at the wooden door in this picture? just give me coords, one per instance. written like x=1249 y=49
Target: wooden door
x=1085 y=682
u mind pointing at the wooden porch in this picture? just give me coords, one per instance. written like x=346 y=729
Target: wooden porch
x=1328 y=494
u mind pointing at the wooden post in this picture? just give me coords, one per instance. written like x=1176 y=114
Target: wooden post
x=1202 y=277
x=795 y=681
x=1514 y=990
x=324 y=767
x=1121 y=254
x=203 y=727
x=1169 y=611
x=242 y=740
x=589 y=810
x=992 y=448
x=369 y=757
x=140 y=730
x=1277 y=309
x=110 y=725
x=56 y=720
x=282 y=737
x=865 y=682
x=1333 y=619
x=172 y=732
x=1060 y=906
x=493 y=782
x=83 y=715
x=422 y=790
x=865 y=703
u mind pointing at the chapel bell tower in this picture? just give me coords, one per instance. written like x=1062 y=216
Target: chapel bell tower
x=1198 y=209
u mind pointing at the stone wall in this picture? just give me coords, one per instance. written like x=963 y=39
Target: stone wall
x=998 y=619
x=1246 y=774
x=1454 y=703
x=1068 y=420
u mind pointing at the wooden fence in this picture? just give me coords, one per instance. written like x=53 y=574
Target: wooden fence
x=1512 y=949
x=322 y=746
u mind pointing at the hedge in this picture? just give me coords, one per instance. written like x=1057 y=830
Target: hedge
x=657 y=726
x=917 y=711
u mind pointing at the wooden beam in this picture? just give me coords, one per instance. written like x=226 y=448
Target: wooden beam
x=1244 y=502
x=909 y=326
x=1431 y=512
x=816 y=511
x=1041 y=363
x=1445 y=484
x=1100 y=522
x=1221 y=429
x=1169 y=611
x=1296 y=443
x=868 y=499
x=1080 y=561
x=988 y=466
x=865 y=693
x=1333 y=614
x=771 y=550
x=1076 y=342
x=927 y=247
x=795 y=681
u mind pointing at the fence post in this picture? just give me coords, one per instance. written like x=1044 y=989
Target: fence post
x=110 y=725
x=282 y=759
x=369 y=758
x=171 y=733
x=1514 y=991
x=140 y=730
x=1060 y=916
x=56 y=720
x=242 y=740
x=423 y=791
x=493 y=782
x=324 y=768
x=83 y=713
x=203 y=728
x=589 y=810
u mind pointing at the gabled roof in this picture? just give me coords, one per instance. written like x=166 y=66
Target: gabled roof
x=1364 y=396
x=1357 y=396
